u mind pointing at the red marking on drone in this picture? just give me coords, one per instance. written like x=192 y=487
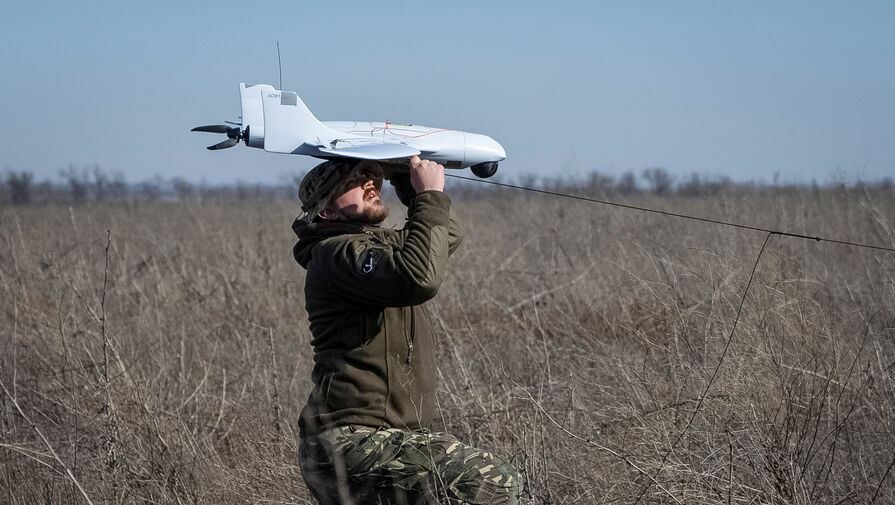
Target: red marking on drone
x=387 y=128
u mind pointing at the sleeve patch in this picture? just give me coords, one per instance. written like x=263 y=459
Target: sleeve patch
x=368 y=262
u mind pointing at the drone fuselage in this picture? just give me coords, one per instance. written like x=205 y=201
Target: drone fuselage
x=451 y=148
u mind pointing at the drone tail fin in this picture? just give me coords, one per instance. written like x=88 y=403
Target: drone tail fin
x=288 y=123
x=253 y=112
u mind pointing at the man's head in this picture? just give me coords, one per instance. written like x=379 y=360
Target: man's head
x=341 y=190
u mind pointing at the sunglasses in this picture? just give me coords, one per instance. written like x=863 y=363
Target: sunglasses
x=359 y=176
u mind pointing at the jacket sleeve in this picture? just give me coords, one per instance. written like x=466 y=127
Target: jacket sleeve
x=400 y=180
x=455 y=233
x=399 y=273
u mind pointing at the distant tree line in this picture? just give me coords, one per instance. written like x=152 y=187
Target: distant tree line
x=659 y=182
x=76 y=185
x=90 y=185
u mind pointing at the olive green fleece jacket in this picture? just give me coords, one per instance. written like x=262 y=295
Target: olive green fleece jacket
x=374 y=342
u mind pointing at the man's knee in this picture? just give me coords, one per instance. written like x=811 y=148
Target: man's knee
x=504 y=483
x=425 y=466
x=481 y=477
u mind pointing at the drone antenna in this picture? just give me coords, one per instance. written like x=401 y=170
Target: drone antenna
x=280 y=64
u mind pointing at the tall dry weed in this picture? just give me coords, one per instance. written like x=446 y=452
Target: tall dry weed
x=579 y=341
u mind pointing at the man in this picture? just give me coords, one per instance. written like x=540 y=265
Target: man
x=364 y=430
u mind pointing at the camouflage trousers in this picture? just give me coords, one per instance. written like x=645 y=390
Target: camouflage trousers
x=359 y=465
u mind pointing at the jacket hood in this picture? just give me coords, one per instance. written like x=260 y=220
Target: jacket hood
x=309 y=234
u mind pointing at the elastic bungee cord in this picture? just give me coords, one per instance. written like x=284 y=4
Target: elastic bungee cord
x=676 y=214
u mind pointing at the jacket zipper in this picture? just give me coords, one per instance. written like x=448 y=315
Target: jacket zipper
x=363 y=333
x=388 y=373
x=412 y=334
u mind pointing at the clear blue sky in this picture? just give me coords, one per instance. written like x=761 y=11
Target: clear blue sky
x=740 y=89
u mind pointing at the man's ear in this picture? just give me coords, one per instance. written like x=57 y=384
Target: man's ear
x=327 y=214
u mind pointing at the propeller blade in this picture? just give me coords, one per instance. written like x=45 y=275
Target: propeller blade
x=223 y=145
x=215 y=128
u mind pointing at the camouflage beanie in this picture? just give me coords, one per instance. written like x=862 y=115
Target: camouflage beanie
x=318 y=185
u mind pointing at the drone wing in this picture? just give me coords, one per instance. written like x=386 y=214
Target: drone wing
x=372 y=152
x=290 y=128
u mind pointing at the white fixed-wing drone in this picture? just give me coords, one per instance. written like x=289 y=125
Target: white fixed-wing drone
x=279 y=122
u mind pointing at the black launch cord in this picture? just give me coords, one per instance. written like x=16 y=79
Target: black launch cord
x=675 y=214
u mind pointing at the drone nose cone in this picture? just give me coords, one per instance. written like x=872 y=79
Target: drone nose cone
x=482 y=149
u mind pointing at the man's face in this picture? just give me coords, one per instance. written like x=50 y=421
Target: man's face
x=357 y=198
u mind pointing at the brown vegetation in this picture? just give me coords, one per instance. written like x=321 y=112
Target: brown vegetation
x=158 y=352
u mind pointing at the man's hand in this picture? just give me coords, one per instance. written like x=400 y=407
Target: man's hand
x=426 y=175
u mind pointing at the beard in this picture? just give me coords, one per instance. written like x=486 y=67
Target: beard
x=374 y=213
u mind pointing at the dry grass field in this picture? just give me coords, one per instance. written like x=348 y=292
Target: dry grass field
x=158 y=352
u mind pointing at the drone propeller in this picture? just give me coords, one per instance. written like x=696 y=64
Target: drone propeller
x=233 y=135
x=215 y=128
x=223 y=145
